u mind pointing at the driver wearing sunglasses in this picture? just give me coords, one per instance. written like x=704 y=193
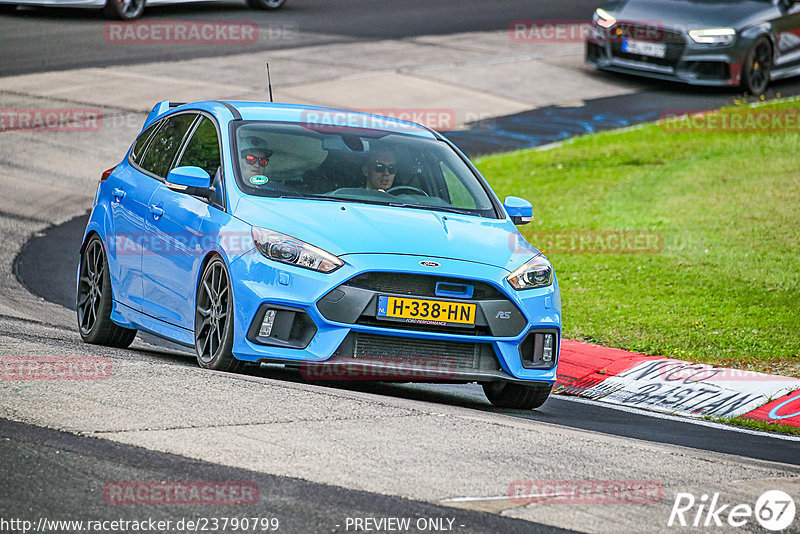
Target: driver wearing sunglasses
x=254 y=160
x=380 y=171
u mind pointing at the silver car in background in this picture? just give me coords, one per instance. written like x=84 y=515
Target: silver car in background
x=121 y=9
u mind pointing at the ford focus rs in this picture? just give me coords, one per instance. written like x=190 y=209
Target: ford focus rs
x=349 y=245
x=701 y=42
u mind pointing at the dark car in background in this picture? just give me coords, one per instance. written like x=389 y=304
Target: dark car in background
x=703 y=42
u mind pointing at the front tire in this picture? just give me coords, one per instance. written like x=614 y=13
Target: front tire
x=213 y=319
x=516 y=396
x=95 y=300
x=266 y=4
x=123 y=9
x=757 y=67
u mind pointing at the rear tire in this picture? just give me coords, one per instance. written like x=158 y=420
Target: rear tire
x=757 y=67
x=516 y=396
x=266 y=4
x=213 y=320
x=95 y=300
x=123 y=9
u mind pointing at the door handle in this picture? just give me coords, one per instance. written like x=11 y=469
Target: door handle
x=157 y=211
x=118 y=193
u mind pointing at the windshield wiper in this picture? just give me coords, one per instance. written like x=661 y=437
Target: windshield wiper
x=435 y=208
x=448 y=209
x=308 y=197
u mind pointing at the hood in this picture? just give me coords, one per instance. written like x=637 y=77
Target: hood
x=692 y=14
x=343 y=228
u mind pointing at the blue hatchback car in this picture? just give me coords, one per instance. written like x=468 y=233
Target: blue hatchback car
x=348 y=245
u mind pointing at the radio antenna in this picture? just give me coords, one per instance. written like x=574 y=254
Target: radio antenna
x=269 y=83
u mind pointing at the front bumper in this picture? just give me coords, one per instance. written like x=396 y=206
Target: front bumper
x=350 y=337
x=685 y=61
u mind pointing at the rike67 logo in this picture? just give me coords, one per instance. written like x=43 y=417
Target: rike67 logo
x=774 y=510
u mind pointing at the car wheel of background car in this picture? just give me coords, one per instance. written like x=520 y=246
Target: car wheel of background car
x=213 y=319
x=124 y=9
x=757 y=67
x=518 y=396
x=7 y=8
x=94 y=301
x=266 y=4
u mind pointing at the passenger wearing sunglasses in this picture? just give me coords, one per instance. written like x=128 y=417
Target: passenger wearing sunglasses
x=380 y=171
x=253 y=161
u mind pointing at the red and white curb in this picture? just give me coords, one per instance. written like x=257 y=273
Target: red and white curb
x=675 y=386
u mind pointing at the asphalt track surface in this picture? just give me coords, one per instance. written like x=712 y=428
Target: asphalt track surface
x=51 y=473
x=43 y=39
x=36 y=39
x=552 y=124
x=58 y=476
x=47 y=264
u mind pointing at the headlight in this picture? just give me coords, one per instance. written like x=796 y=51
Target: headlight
x=285 y=249
x=538 y=272
x=714 y=36
x=603 y=19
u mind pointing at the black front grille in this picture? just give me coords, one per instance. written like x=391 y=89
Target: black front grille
x=419 y=284
x=674 y=40
x=710 y=70
x=593 y=51
x=395 y=350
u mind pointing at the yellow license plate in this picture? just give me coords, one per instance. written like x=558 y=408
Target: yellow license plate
x=426 y=310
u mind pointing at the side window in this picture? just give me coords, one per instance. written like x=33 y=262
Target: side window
x=141 y=142
x=203 y=148
x=166 y=143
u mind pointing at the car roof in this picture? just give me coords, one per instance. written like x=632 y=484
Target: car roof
x=313 y=115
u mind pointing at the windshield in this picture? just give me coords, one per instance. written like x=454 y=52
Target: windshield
x=355 y=165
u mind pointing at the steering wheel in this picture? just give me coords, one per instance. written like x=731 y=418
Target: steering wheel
x=407 y=189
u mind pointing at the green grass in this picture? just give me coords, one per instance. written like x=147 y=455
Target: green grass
x=724 y=288
x=758 y=425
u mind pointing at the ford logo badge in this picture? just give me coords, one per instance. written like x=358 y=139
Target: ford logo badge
x=429 y=264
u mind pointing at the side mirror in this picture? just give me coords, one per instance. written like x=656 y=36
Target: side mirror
x=519 y=209
x=190 y=180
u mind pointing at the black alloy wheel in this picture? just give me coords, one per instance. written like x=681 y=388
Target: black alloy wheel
x=95 y=301
x=757 y=67
x=213 y=319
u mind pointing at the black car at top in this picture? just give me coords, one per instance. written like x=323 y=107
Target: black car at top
x=702 y=42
